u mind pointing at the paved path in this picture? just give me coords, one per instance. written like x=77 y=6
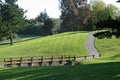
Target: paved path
x=90 y=46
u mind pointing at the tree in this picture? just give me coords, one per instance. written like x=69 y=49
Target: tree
x=32 y=27
x=75 y=14
x=42 y=17
x=48 y=26
x=97 y=8
x=113 y=28
x=101 y=12
x=12 y=19
x=110 y=22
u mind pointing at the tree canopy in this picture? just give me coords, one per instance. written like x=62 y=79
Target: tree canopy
x=42 y=16
x=12 y=19
x=74 y=14
x=108 y=19
x=113 y=28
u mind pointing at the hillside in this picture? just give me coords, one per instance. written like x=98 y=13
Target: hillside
x=109 y=49
x=104 y=68
x=69 y=43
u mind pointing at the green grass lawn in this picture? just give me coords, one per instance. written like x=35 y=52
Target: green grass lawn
x=70 y=43
x=109 y=49
x=105 y=68
x=104 y=71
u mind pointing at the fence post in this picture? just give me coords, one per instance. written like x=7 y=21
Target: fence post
x=11 y=61
x=31 y=61
x=42 y=61
x=61 y=59
x=21 y=59
x=69 y=58
x=51 y=59
x=74 y=57
x=4 y=62
x=85 y=57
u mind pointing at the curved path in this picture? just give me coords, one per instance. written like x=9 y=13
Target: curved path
x=90 y=46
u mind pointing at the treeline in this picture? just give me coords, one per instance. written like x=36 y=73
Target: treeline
x=76 y=15
x=13 y=21
x=79 y=15
x=111 y=26
x=41 y=25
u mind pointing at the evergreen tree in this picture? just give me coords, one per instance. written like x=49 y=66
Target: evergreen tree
x=48 y=26
x=42 y=17
x=12 y=19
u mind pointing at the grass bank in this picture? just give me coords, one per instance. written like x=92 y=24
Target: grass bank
x=109 y=49
x=105 y=68
x=69 y=43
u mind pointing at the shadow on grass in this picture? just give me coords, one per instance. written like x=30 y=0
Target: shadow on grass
x=7 y=43
x=4 y=43
x=116 y=56
x=75 y=32
x=105 y=71
x=31 y=38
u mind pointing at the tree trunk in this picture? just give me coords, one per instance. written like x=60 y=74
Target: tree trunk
x=11 y=39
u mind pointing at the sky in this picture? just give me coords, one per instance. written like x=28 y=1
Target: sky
x=34 y=7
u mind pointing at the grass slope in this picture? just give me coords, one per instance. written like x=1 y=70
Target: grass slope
x=105 y=71
x=109 y=48
x=70 y=43
x=105 y=68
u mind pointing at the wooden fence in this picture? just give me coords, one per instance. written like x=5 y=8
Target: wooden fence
x=42 y=61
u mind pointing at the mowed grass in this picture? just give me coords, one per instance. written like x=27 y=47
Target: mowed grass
x=105 y=68
x=104 y=71
x=69 y=43
x=109 y=48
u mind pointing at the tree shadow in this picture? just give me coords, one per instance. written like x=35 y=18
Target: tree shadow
x=7 y=43
x=105 y=71
x=74 y=32
x=4 y=43
x=116 y=57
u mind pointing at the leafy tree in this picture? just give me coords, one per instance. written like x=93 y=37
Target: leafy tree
x=12 y=19
x=48 y=26
x=75 y=14
x=113 y=27
x=41 y=25
x=109 y=21
x=42 y=17
x=101 y=12
x=48 y=23
x=33 y=27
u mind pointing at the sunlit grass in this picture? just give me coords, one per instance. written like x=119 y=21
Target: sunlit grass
x=109 y=48
x=70 y=43
x=105 y=68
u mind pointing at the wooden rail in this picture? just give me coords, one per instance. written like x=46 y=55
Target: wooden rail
x=42 y=61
